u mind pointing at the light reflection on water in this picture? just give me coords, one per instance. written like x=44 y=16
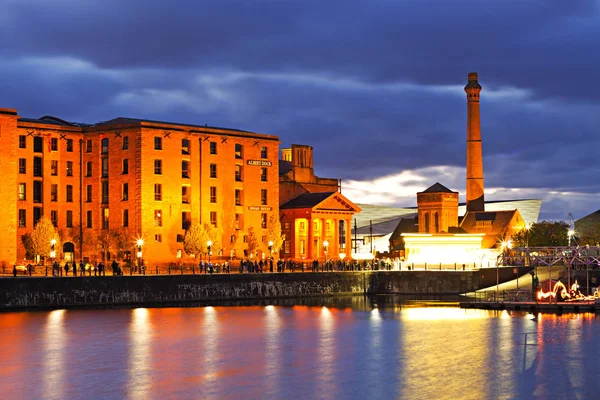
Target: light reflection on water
x=300 y=352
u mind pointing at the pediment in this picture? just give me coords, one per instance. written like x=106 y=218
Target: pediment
x=337 y=202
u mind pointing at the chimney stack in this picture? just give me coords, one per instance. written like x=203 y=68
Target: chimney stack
x=475 y=201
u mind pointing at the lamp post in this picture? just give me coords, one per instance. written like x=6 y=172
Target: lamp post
x=208 y=245
x=140 y=244
x=527 y=228
x=325 y=245
x=271 y=248
x=52 y=254
x=570 y=234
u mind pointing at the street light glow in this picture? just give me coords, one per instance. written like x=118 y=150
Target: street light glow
x=325 y=243
x=209 y=243
x=140 y=242
x=270 y=243
x=53 y=242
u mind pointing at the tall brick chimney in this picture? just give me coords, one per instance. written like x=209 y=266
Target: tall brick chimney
x=475 y=200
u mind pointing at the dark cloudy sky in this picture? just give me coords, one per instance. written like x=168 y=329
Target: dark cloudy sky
x=375 y=86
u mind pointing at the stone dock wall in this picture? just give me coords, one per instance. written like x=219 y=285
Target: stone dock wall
x=32 y=292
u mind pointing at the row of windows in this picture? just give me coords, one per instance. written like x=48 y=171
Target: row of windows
x=38 y=144
x=38 y=192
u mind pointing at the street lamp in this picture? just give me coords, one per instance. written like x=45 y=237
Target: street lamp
x=140 y=243
x=208 y=245
x=325 y=245
x=52 y=255
x=271 y=248
x=570 y=234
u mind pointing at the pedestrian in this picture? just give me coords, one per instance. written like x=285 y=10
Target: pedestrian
x=29 y=269
x=67 y=268
x=15 y=270
x=271 y=265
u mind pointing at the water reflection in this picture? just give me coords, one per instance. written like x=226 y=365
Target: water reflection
x=140 y=357
x=55 y=339
x=272 y=351
x=325 y=364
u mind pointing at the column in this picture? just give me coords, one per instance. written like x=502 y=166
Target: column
x=323 y=236
x=292 y=239
x=311 y=235
x=335 y=239
x=349 y=238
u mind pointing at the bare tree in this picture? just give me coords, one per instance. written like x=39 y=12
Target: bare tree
x=38 y=242
x=252 y=241
x=274 y=234
x=195 y=240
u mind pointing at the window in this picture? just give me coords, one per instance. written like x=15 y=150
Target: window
x=54 y=217
x=213 y=218
x=89 y=218
x=185 y=169
x=158 y=238
x=54 y=192
x=125 y=166
x=125 y=143
x=328 y=226
x=185 y=146
x=302 y=246
x=125 y=218
x=157 y=217
x=38 y=144
x=22 y=165
x=213 y=170
x=263 y=197
x=213 y=147
x=88 y=168
x=69 y=219
x=69 y=168
x=239 y=150
x=105 y=167
x=105 y=218
x=22 y=141
x=186 y=220
x=22 y=191
x=105 y=192
x=232 y=241
x=69 y=193
x=302 y=226
x=37 y=214
x=37 y=166
x=37 y=191
x=238 y=173
x=88 y=146
x=286 y=247
x=54 y=167
x=239 y=221
x=69 y=145
x=88 y=193
x=180 y=238
x=286 y=225
x=238 y=197
x=104 y=146
x=54 y=144
x=22 y=218
x=263 y=220
x=213 y=194
x=185 y=194
x=263 y=152
x=157 y=167
x=125 y=196
x=157 y=143
x=158 y=192
x=263 y=174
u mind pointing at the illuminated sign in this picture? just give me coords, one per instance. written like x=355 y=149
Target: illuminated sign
x=260 y=163
x=259 y=208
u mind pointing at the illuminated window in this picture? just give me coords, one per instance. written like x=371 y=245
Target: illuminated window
x=213 y=147
x=22 y=165
x=263 y=152
x=157 y=167
x=286 y=247
x=239 y=151
x=88 y=193
x=427 y=222
x=302 y=246
x=316 y=226
x=185 y=194
x=54 y=167
x=157 y=192
x=263 y=174
x=37 y=214
x=213 y=218
x=125 y=166
x=157 y=143
x=22 y=218
x=69 y=219
x=69 y=193
x=22 y=191
x=125 y=218
x=125 y=196
x=238 y=173
x=286 y=225
x=186 y=220
x=238 y=197
x=22 y=141
x=185 y=169
x=213 y=170
x=185 y=146
x=239 y=221
x=328 y=226
x=213 y=194
x=54 y=144
x=88 y=146
x=54 y=192
x=157 y=217
x=105 y=218
x=69 y=145
x=89 y=218
x=54 y=217
x=105 y=146
x=125 y=143
x=158 y=238
x=263 y=221
x=69 y=168
x=263 y=197
x=302 y=226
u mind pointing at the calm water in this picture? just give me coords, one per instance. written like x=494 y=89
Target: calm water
x=298 y=352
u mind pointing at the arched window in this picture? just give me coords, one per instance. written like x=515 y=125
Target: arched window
x=426 y=215
x=436 y=222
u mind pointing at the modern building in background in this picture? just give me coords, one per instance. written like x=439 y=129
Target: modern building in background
x=137 y=179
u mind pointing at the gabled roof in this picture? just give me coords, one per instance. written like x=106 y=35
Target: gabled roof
x=437 y=188
x=306 y=200
x=321 y=201
x=498 y=226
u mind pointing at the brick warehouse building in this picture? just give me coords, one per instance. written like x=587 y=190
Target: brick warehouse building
x=142 y=178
